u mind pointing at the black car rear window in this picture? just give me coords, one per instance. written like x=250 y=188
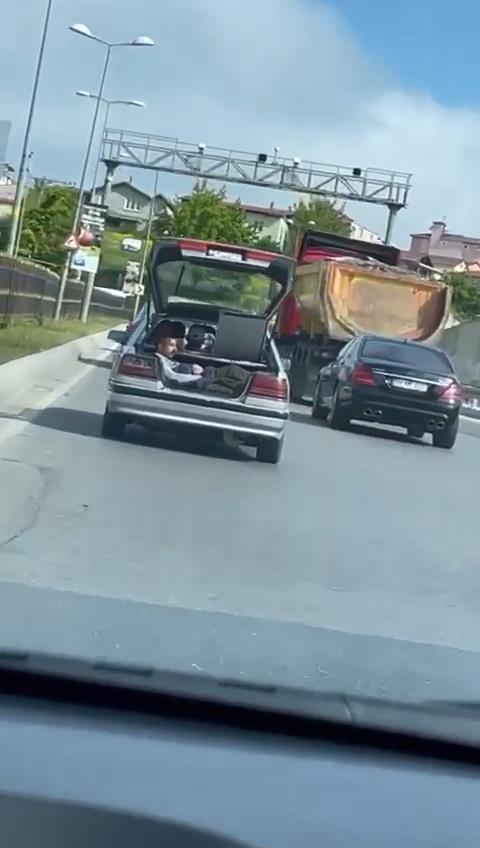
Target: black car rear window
x=416 y=355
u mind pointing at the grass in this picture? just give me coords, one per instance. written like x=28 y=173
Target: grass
x=27 y=336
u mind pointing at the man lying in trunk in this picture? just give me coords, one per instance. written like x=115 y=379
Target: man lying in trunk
x=229 y=380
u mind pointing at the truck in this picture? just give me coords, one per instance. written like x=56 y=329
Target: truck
x=344 y=287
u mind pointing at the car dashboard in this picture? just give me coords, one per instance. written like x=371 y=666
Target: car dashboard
x=75 y=770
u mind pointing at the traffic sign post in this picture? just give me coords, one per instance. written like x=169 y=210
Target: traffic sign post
x=93 y=222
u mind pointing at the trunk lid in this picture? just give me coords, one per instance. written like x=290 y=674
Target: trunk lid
x=242 y=279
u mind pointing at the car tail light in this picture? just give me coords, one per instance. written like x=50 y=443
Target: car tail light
x=363 y=375
x=269 y=386
x=137 y=366
x=452 y=394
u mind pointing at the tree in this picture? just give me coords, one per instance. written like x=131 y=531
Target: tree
x=267 y=243
x=206 y=215
x=465 y=295
x=317 y=214
x=47 y=221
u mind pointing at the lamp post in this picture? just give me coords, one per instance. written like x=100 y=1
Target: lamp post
x=26 y=187
x=151 y=216
x=12 y=238
x=108 y=104
x=140 y=41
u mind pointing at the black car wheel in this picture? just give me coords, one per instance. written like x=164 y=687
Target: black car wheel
x=113 y=426
x=270 y=450
x=319 y=411
x=337 y=418
x=446 y=438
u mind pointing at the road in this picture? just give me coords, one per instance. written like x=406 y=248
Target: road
x=353 y=565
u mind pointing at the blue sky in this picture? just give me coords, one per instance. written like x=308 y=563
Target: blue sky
x=426 y=44
x=376 y=84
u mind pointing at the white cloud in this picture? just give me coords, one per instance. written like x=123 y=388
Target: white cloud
x=248 y=74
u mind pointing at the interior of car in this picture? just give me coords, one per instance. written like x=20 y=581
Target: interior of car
x=231 y=339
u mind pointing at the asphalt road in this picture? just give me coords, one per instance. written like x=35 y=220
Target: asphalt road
x=353 y=565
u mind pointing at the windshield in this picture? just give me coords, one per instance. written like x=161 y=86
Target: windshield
x=418 y=356
x=201 y=469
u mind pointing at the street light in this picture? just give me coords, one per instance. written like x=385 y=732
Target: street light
x=139 y=103
x=12 y=238
x=26 y=184
x=140 y=41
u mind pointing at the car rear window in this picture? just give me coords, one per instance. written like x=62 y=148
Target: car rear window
x=416 y=355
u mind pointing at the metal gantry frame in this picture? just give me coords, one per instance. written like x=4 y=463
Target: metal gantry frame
x=162 y=153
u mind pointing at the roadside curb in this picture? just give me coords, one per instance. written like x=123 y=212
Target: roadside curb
x=35 y=380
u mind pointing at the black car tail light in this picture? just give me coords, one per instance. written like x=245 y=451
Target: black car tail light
x=452 y=394
x=363 y=375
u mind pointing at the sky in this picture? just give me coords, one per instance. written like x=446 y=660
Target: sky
x=350 y=82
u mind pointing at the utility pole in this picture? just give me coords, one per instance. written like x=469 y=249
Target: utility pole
x=26 y=188
x=151 y=217
x=139 y=41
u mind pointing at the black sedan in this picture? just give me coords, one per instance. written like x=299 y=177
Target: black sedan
x=393 y=382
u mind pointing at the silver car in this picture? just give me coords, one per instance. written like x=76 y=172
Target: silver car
x=221 y=301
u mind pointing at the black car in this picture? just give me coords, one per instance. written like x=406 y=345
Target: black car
x=394 y=382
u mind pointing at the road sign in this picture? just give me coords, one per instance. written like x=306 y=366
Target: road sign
x=86 y=259
x=71 y=242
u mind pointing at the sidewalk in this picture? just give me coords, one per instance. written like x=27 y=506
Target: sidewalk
x=37 y=380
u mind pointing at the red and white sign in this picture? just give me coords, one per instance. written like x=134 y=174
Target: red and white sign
x=71 y=242
x=85 y=238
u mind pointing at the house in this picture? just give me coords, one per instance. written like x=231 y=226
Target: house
x=129 y=205
x=444 y=250
x=7 y=195
x=271 y=222
x=358 y=231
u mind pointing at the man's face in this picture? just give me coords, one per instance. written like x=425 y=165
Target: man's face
x=167 y=347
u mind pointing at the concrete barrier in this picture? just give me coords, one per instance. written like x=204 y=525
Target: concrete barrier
x=462 y=343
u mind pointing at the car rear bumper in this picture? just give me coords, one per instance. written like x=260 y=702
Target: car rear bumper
x=379 y=411
x=152 y=411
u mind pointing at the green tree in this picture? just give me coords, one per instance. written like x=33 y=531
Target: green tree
x=465 y=295
x=317 y=214
x=267 y=243
x=47 y=221
x=206 y=215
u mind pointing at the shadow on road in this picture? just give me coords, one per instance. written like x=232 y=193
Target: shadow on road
x=375 y=432
x=82 y=423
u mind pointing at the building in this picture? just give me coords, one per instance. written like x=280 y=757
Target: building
x=5 y=129
x=358 y=231
x=7 y=194
x=271 y=222
x=444 y=250
x=129 y=205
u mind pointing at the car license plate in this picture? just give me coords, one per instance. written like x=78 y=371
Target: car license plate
x=410 y=385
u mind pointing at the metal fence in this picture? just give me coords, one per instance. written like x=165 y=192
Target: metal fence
x=30 y=291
